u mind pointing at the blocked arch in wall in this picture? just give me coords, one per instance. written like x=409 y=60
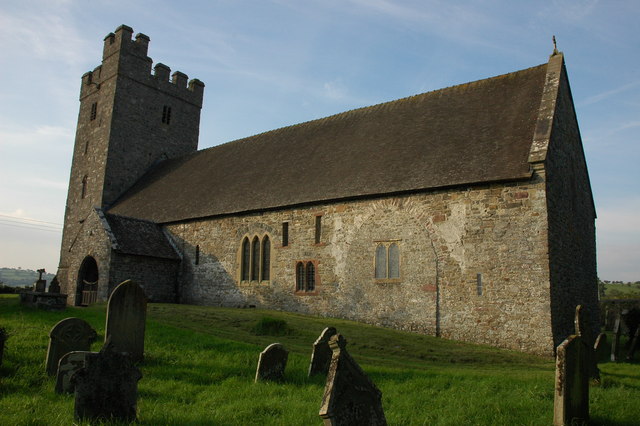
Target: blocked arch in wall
x=87 y=285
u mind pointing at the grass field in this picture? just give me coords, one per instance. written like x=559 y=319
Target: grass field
x=200 y=364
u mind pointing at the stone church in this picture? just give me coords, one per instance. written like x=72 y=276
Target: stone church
x=465 y=212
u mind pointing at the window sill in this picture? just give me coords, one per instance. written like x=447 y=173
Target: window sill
x=306 y=293
x=388 y=281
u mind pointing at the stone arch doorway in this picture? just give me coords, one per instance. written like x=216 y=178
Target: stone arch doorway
x=87 y=288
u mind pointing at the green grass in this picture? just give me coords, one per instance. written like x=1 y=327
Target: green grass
x=200 y=364
x=622 y=291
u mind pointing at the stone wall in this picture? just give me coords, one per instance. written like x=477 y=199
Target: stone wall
x=157 y=277
x=446 y=239
x=572 y=240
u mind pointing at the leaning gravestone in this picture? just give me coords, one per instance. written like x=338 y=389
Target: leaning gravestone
x=583 y=330
x=126 y=318
x=106 y=388
x=69 y=364
x=599 y=346
x=272 y=362
x=615 y=341
x=571 y=401
x=321 y=356
x=350 y=397
x=68 y=335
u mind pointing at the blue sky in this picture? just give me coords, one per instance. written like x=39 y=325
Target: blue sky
x=267 y=64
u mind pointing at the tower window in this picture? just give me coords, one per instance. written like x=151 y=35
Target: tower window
x=197 y=262
x=479 y=284
x=285 y=234
x=94 y=111
x=166 y=114
x=83 y=191
x=86 y=147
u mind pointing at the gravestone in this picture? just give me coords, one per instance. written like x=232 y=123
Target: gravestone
x=600 y=345
x=54 y=286
x=584 y=331
x=615 y=342
x=68 y=335
x=106 y=388
x=40 y=285
x=634 y=344
x=350 y=397
x=3 y=338
x=69 y=364
x=571 y=401
x=126 y=318
x=272 y=362
x=321 y=356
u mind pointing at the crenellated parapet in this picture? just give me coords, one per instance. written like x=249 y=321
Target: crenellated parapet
x=126 y=56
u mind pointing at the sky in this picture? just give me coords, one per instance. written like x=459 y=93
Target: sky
x=272 y=63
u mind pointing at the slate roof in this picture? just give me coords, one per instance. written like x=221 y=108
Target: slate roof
x=140 y=237
x=472 y=133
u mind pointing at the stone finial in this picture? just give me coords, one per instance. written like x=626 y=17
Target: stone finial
x=555 y=46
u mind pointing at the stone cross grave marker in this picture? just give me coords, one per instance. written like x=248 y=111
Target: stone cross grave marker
x=271 y=363
x=571 y=400
x=615 y=342
x=321 y=356
x=582 y=329
x=106 y=388
x=69 y=364
x=126 y=319
x=68 y=335
x=350 y=397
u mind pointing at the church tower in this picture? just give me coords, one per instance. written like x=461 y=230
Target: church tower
x=130 y=119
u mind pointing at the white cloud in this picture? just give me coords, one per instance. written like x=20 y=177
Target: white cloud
x=604 y=95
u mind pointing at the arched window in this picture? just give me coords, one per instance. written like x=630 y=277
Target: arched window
x=300 y=276
x=266 y=257
x=311 y=277
x=244 y=262
x=387 y=261
x=83 y=192
x=255 y=259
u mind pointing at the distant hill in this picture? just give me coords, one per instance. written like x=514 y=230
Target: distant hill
x=17 y=277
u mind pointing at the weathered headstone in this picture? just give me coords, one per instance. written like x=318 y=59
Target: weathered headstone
x=634 y=344
x=40 y=285
x=126 y=318
x=599 y=346
x=106 y=388
x=615 y=342
x=68 y=365
x=321 y=356
x=583 y=330
x=68 y=335
x=350 y=397
x=272 y=362
x=571 y=401
x=54 y=286
x=3 y=338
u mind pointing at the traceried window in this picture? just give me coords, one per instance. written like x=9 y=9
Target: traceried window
x=387 y=261
x=255 y=259
x=305 y=276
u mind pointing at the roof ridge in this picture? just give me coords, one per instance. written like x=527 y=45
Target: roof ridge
x=368 y=108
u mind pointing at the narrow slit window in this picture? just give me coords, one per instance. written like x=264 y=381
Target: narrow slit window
x=318 y=229
x=94 y=111
x=285 y=234
x=479 y=284
x=246 y=255
x=86 y=147
x=266 y=260
x=166 y=114
x=299 y=276
x=197 y=262
x=255 y=259
x=83 y=191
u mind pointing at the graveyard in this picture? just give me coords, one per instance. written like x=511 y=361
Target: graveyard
x=199 y=367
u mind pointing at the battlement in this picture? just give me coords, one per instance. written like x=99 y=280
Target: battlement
x=124 y=55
